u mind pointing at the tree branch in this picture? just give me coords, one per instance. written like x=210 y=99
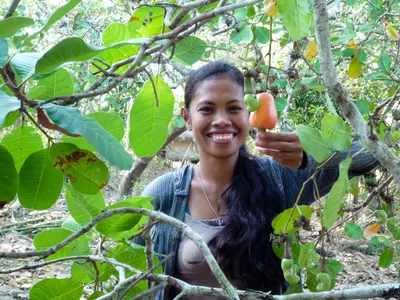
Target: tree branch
x=349 y=110
x=12 y=9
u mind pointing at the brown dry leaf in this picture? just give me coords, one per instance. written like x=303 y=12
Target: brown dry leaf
x=352 y=45
x=271 y=8
x=371 y=230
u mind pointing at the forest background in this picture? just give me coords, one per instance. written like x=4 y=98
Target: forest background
x=90 y=93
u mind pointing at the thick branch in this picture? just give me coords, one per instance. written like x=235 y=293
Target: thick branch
x=349 y=110
x=12 y=9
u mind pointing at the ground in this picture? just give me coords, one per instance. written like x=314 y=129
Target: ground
x=360 y=265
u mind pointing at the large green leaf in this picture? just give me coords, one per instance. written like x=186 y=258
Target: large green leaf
x=56 y=289
x=11 y=118
x=74 y=49
x=10 y=26
x=150 y=20
x=336 y=133
x=242 y=33
x=39 y=183
x=86 y=173
x=296 y=17
x=8 y=177
x=110 y=122
x=280 y=220
x=353 y=231
x=24 y=63
x=3 y=51
x=51 y=237
x=71 y=119
x=83 y=207
x=58 y=84
x=22 y=142
x=262 y=34
x=312 y=143
x=149 y=122
x=308 y=256
x=7 y=105
x=386 y=258
x=117 y=32
x=335 y=197
x=113 y=225
x=83 y=273
x=113 y=55
x=189 y=50
x=385 y=63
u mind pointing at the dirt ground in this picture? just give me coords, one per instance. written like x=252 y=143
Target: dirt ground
x=360 y=266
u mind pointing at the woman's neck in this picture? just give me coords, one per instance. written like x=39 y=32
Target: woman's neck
x=217 y=171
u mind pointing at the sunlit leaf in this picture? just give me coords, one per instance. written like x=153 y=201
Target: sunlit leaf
x=21 y=143
x=313 y=144
x=149 y=122
x=10 y=26
x=58 y=84
x=189 y=50
x=296 y=17
x=56 y=289
x=280 y=220
x=336 y=133
x=311 y=50
x=354 y=69
x=353 y=231
x=39 y=183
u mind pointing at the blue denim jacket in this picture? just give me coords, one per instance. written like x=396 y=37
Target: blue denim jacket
x=171 y=191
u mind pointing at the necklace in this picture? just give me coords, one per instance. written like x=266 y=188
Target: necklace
x=219 y=221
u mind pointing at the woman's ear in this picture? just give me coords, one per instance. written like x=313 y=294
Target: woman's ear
x=186 y=117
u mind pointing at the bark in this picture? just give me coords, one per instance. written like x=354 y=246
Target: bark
x=127 y=182
x=349 y=110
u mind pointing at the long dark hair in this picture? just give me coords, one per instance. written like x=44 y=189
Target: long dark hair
x=243 y=247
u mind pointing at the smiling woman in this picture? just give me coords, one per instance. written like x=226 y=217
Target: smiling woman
x=230 y=198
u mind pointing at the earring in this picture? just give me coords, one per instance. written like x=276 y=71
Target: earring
x=189 y=127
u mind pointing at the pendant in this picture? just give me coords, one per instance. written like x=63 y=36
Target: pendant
x=220 y=222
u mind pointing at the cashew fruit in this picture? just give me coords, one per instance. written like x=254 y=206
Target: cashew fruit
x=286 y=264
x=323 y=282
x=251 y=101
x=393 y=224
x=381 y=216
x=292 y=278
x=265 y=116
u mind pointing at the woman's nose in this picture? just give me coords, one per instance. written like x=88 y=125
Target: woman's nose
x=221 y=119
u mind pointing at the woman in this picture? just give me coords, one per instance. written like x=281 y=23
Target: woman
x=229 y=197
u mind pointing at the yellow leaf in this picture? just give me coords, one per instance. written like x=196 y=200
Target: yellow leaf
x=311 y=50
x=354 y=69
x=271 y=7
x=371 y=230
x=352 y=45
x=392 y=33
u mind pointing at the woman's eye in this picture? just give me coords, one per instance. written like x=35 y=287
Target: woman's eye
x=205 y=109
x=235 y=108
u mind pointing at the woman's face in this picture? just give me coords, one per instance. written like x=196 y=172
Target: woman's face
x=218 y=117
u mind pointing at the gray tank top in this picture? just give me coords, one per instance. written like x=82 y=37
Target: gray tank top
x=191 y=266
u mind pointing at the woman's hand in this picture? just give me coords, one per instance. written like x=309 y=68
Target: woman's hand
x=284 y=147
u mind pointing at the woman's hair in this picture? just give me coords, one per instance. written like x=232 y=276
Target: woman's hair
x=207 y=71
x=243 y=248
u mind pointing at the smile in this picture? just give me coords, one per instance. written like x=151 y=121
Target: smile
x=222 y=137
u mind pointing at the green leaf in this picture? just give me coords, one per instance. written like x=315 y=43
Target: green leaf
x=242 y=33
x=361 y=55
x=95 y=295
x=316 y=87
x=311 y=140
x=83 y=207
x=329 y=104
x=117 y=32
x=348 y=52
x=295 y=17
x=280 y=220
x=24 y=64
x=335 y=197
x=336 y=133
x=363 y=107
x=10 y=26
x=385 y=63
x=189 y=50
x=113 y=225
x=83 y=272
x=74 y=49
x=112 y=55
x=71 y=119
x=110 y=122
x=57 y=84
x=51 y=237
x=39 y=183
x=353 y=231
x=293 y=289
x=155 y=25
x=386 y=258
x=7 y=105
x=308 y=256
x=280 y=103
x=86 y=173
x=56 y=289
x=21 y=143
x=280 y=83
x=335 y=265
x=11 y=118
x=71 y=225
x=3 y=51
x=8 y=177
x=149 y=122
x=262 y=34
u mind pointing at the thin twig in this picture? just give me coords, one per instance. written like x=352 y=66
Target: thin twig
x=269 y=52
x=154 y=86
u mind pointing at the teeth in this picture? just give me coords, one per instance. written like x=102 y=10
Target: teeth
x=222 y=136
